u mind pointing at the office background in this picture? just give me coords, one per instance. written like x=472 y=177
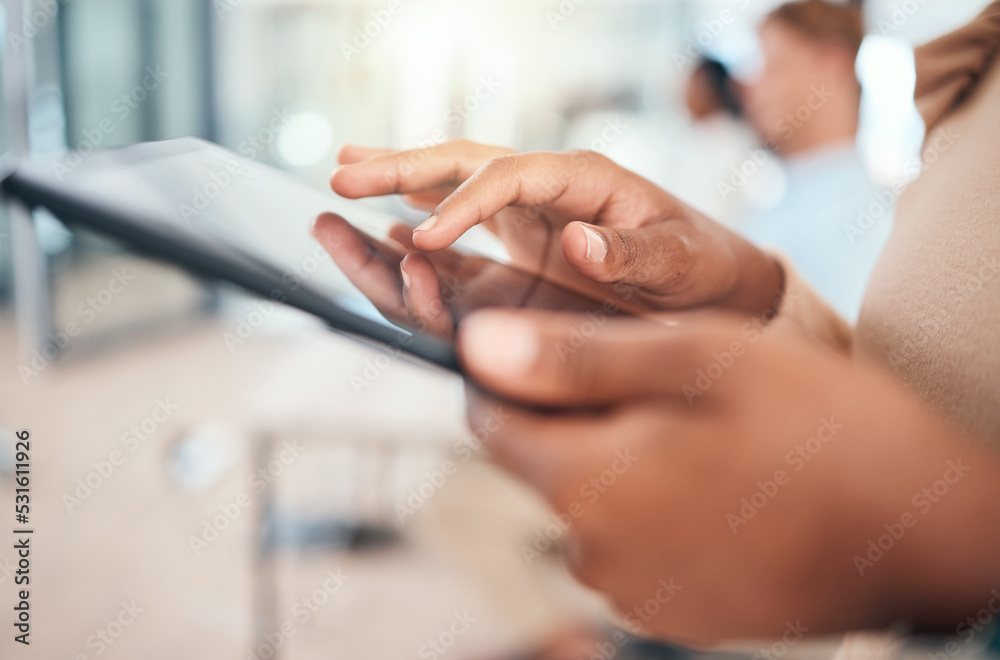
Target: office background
x=286 y=82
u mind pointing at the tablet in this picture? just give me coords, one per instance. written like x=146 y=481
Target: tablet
x=223 y=217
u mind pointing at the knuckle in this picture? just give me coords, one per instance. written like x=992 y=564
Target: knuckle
x=585 y=158
x=394 y=175
x=680 y=274
x=583 y=155
x=668 y=262
x=505 y=163
x=500 y=171
x=628 y=253
x=477 y=152
x=676 y=257
x=577 y=160
x=460 y=152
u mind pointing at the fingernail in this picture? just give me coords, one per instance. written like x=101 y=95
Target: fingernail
x=428 y=224
x=596 y=249
x=500 y=343
x=406 y=276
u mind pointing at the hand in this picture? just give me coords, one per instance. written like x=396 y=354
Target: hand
x=751 y=471
x=431 y=292
x=577 y=217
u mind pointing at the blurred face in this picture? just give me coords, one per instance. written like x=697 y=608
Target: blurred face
x=792 y=66
x=699 y=96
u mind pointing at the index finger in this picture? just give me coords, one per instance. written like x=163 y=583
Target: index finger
x=577 y=185
x=351 y=153
x=411 y=171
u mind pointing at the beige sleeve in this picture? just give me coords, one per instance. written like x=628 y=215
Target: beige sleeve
x=803 y=312
x=951 y=67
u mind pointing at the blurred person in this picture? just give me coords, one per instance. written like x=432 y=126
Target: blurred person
x=712 y=146
x=783 y=468
x=710 y=92
x=805 y=104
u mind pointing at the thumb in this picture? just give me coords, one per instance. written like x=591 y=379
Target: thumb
x=554 y=359
x=667 y=259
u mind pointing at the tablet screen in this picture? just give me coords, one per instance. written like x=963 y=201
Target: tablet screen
x=220 y=215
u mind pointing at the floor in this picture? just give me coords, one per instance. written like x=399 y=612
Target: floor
x=144 y=447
